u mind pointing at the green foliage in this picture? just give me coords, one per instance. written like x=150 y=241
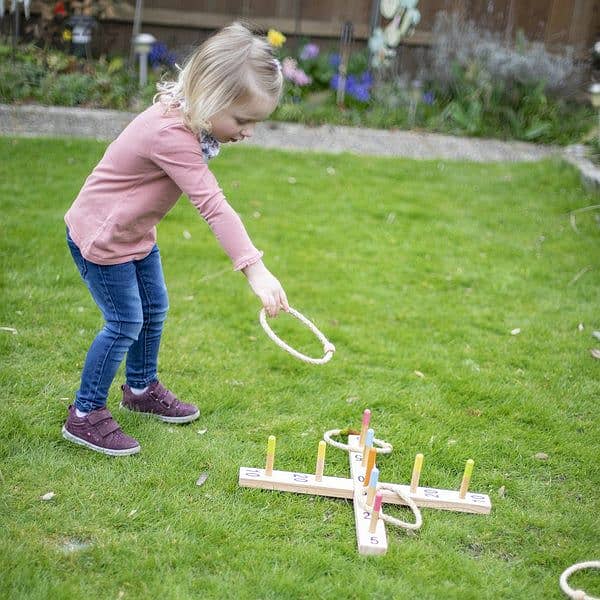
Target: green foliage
x=476 y=104
x=593 y=145
x=54 y=78
x=470 y=102
x=406 y=266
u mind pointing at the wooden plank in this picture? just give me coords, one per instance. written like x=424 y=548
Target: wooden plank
x=581 y=30
x=300 y=483
x=368 y=543
x=425 y=497
x=288 y=25
x=557 y=26
x=340 y=487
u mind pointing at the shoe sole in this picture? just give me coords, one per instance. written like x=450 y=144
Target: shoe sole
x=73 y=438
x=177 y=420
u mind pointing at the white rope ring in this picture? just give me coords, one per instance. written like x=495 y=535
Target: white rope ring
x=406 y=499
x=328 y=347
x=384 y=447
x=577 y=594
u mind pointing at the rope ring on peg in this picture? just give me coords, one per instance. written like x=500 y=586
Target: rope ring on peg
x=406 y=500
x=383 y=447
x=328 y=347
x=577 y=594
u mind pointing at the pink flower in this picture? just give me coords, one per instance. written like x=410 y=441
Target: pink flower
x=292 y=73
x=301 y=78
x=289 y=66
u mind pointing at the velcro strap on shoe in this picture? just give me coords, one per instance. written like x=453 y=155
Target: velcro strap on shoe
x=106 y=427
x=164 y=396
x=97 y=416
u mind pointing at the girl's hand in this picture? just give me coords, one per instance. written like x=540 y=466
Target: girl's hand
x=267 y=288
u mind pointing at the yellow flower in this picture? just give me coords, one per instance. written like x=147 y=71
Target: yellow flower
x=276 y=38
x=66 y=35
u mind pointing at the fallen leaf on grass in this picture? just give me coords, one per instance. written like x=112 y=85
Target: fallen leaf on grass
x=419 y=374
x=48 y=496
x=10 y=329
x=474 y=412
x=541 y=456
x=132 y=513
x=201 y=431
x=580 y=326
x=502 y=491
x=515 y=331
x=203 y=477
x=595 y=352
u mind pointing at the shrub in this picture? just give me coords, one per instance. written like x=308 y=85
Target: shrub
x=457 y=42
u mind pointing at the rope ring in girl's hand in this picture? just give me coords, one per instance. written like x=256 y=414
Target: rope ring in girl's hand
x=328 y=347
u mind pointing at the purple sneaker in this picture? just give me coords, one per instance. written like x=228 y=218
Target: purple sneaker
x=100 y=432
x=159 y=402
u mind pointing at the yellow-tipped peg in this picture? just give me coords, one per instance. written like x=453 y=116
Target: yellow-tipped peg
x=416 y=473
x=270 y=456
x=464 y=485
x=320 y=461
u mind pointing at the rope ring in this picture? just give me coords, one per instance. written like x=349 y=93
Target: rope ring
x=406 y=499
x=577 y=594
x=384 y=447
x=328 y=347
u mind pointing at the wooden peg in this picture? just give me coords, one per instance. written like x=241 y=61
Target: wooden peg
x=320 y=461
x=416 y=474
x=464 y=485
x=270 y=456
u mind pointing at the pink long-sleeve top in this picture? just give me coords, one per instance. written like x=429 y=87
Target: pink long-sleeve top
x=139 y=179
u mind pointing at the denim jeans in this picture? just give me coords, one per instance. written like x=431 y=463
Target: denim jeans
x=133 y=299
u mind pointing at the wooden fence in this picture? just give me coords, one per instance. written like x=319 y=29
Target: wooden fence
x=557 y=23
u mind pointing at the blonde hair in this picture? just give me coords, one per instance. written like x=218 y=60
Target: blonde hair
x=231 y=65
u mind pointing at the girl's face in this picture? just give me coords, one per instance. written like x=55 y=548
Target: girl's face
x=237 y=121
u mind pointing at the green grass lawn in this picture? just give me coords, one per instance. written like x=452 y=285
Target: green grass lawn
x=418 y=272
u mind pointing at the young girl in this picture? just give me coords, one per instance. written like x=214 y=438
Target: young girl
x=230 y=83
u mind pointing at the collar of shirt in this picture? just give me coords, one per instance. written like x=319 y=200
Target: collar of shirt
x=210 y=146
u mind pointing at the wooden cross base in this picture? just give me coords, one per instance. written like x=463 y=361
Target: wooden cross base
x=339 y=487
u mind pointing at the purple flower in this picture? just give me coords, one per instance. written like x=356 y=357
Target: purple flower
x=358 y=88
x=334 y=60
x=309 y=51
x=429 y=98
x=160 y=55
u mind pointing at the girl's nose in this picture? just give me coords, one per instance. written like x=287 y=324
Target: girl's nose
x=248 y=130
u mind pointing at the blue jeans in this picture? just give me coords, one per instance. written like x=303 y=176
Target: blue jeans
x=133 y=299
